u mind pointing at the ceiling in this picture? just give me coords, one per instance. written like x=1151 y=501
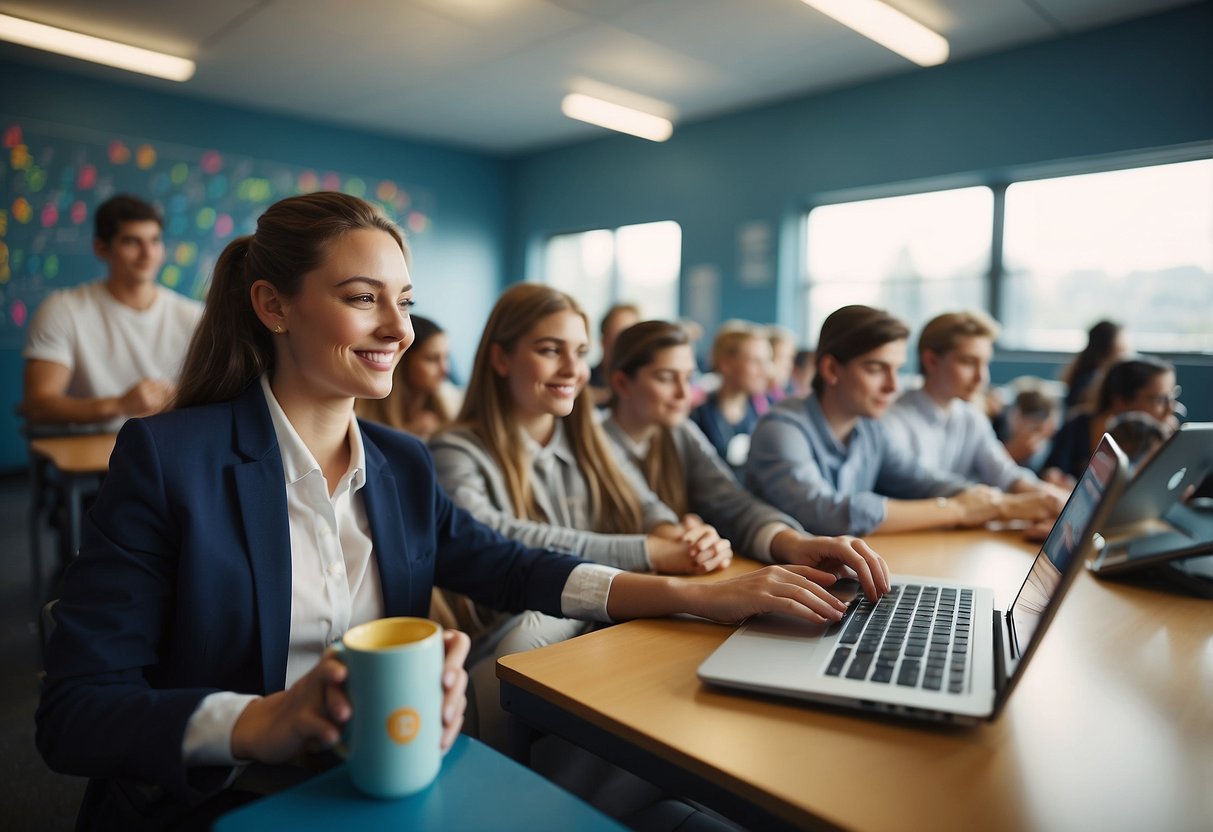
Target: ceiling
x=490 y=74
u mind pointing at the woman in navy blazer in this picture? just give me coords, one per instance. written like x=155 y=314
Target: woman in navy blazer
x=184 y=588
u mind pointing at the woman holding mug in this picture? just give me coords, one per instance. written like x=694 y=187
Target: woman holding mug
x=239 y=535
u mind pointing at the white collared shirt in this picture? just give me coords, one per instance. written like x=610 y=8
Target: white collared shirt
x=335 y=580
x=334 y=577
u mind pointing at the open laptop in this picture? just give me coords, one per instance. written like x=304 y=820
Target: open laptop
x=1150 y=523
x=930 y=649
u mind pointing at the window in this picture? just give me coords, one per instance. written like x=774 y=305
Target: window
x=915 y=255
x=632 y=264
x=1135 y=246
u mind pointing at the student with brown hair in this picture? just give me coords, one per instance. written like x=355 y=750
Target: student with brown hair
x=106 y=350
x=238 y=536
x=1143 y=384
x=1107 y=343
x=826 y=459
x=651 y=370
x=418 y=401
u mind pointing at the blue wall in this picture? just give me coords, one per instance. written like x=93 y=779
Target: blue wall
x=458 y=264
x=1139 y=85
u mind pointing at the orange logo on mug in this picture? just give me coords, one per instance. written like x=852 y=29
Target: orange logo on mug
x=403 y=725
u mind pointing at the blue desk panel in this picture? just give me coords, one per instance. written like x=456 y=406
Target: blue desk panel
x=477 y=789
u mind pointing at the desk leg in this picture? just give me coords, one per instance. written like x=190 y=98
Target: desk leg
x=37 y=481
x=520 y=738
x=75 y=516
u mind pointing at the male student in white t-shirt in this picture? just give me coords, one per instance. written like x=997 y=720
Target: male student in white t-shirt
x=944 y=430
x=110 y=349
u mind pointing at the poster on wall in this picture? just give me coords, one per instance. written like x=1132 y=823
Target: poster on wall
x=52 y=177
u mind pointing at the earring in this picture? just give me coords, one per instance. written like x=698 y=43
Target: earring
x=277 y=329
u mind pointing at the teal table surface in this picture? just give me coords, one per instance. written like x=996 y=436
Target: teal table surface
x=477 y=788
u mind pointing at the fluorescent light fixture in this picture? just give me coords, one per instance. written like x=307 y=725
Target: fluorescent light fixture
x=615 y=117
x=97 y=50
x=888 y=27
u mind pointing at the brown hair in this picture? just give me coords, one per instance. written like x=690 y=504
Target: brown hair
x=942 y=332
x=636 y=347
x=122 y=208
x=851 y=331
x=487 y=409
x=395 y=409
x=231 y=347
x=1101 y=340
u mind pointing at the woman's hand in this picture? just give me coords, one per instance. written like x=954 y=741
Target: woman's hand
x=791 y=590
x=307 y=715
x=697 y=550
x=832 y=558
x=454 y=684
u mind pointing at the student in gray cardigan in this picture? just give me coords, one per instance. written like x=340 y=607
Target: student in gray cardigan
x=474 y=480
x=827 y=461
x=650 y=379
x=528 y=458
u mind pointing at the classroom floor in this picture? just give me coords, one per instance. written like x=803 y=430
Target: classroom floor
x=32 y=796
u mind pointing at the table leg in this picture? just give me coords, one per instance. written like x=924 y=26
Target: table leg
x=520 y=738
x=37 y=482
x=75 y=516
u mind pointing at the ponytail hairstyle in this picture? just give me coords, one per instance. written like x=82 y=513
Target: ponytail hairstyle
x=636 y=347
x=231 y=347
x=488 y=413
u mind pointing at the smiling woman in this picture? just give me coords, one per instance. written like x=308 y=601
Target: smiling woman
x=239 y=536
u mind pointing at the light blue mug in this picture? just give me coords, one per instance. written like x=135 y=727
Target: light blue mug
x=392 y=742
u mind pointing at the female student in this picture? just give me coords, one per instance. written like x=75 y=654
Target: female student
x=828 y=462
x=650 y=376
x=741 y=356
x=418 y=402
x=1145 y=385
x=1106 y=345
x=239 y=535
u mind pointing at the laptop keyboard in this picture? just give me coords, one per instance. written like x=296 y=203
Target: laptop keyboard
x=915 y=636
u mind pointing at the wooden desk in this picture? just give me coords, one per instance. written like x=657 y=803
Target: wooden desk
x=1111 y=727
x=71 y=465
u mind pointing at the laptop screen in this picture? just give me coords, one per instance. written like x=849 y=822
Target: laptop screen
x=1065 y=542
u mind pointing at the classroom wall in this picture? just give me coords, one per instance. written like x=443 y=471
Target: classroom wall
x=738 y=184
x=458 y=236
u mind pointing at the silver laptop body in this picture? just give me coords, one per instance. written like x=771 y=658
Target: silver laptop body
x=947 y=655
x=1149 y=524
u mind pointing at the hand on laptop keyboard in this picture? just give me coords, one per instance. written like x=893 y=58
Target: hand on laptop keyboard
x=832 y=558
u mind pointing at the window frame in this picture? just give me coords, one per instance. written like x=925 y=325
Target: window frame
x=995 y=276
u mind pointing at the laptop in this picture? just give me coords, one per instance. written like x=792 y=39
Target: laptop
x=930 y=649
x=1151 y=523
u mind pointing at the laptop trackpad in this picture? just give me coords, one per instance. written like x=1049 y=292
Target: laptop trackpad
x=783 y=627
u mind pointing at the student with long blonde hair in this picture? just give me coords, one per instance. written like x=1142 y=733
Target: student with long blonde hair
x=528 y=458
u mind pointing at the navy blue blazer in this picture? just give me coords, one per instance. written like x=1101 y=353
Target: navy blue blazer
x=183 y=584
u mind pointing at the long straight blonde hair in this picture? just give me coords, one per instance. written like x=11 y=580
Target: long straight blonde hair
x=488 y=413
x=636 y=347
